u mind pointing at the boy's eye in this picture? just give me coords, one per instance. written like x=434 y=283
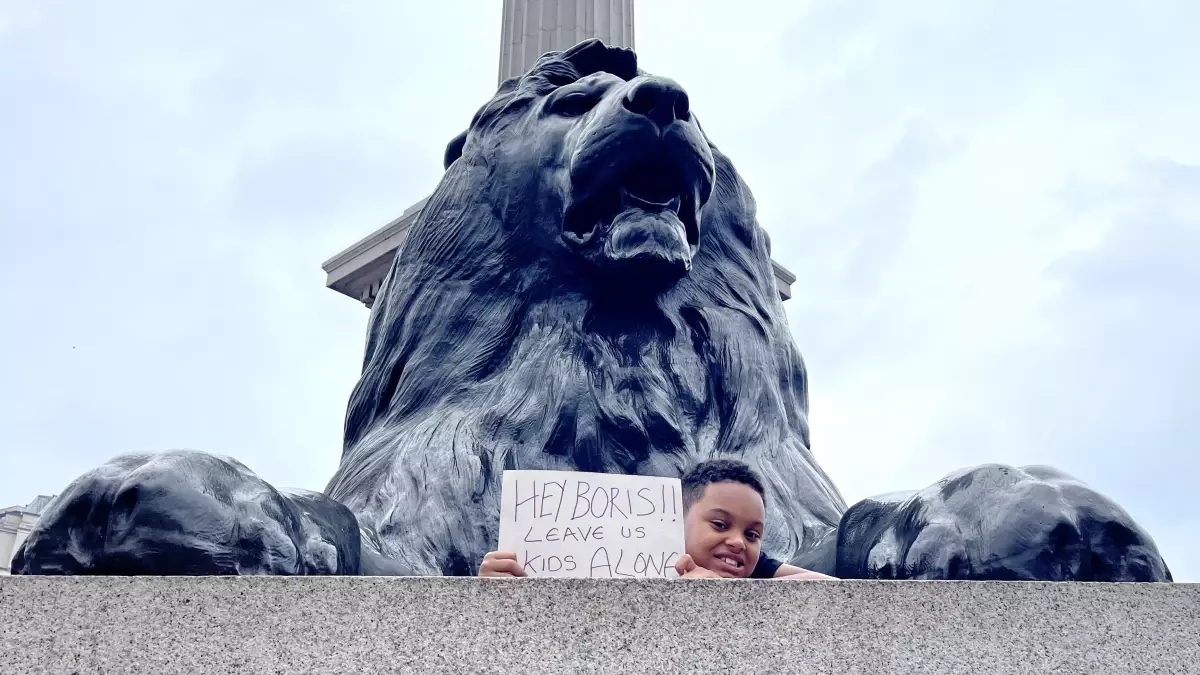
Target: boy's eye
x=752 y=535
x=718 y=524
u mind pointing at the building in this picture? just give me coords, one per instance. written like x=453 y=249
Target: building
x=529 y=29
x=16 y=522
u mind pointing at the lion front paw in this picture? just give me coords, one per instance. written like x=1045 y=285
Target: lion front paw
x=185 y=512
x=997 y=523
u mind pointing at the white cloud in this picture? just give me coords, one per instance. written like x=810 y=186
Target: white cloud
x=981 y=202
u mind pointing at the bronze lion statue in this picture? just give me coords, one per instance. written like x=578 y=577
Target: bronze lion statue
x=588 y=289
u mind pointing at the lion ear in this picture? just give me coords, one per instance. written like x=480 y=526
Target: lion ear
x=454 y=150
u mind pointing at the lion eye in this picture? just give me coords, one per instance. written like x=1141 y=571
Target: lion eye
x=573 y=104
x=559 y=79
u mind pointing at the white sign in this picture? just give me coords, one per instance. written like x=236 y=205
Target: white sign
x=577 y=524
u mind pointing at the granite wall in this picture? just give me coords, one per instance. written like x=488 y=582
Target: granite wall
x=365 y=625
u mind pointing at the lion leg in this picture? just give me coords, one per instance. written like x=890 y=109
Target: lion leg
x=996 y=522
x=822 y=557
x=187 y=513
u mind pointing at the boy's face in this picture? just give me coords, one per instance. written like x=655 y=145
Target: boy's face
x=723 y=529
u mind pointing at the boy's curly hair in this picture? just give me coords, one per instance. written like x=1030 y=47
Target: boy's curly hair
x=717 y=471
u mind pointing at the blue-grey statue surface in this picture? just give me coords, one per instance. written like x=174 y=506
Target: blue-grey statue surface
x=588 y=288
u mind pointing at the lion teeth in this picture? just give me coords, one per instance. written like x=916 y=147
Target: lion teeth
x=672 y=204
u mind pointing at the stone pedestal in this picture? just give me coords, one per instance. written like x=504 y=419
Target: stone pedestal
x=453 y=625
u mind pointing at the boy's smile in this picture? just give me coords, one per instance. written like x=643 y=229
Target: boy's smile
x=723 y=529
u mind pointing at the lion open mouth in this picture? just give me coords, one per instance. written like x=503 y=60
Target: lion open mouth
x=652 y=199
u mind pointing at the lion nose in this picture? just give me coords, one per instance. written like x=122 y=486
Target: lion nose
x=658 y=98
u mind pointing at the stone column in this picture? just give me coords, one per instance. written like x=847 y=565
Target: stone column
x=533 y=27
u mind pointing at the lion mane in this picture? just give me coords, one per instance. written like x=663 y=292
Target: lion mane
x=483 y=354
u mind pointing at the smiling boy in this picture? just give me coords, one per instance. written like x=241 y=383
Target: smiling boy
x=725 y=507
x=725 y=512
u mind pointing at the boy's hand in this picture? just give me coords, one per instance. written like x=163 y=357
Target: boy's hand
x=500 y=564
x=688 y=569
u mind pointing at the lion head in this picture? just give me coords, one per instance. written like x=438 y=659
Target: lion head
x=606 y=165
x=587 y=288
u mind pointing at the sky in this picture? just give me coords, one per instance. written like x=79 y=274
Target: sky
x=992 y=209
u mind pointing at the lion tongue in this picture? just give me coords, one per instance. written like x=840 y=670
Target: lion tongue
x=648 y=233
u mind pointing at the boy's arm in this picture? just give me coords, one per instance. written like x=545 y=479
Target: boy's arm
x=794 y=573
